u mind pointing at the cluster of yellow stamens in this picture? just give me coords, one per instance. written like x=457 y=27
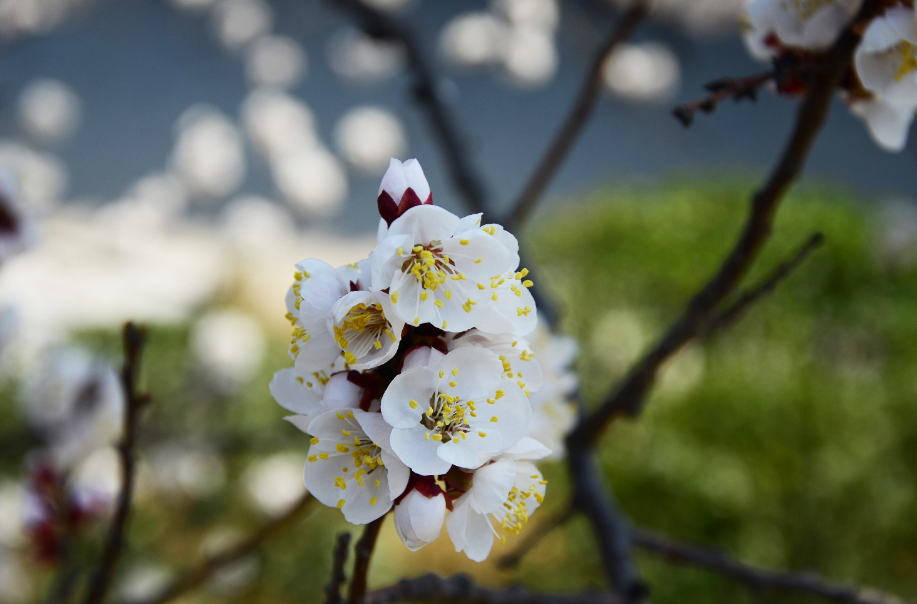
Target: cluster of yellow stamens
x=363 y=327
x=908 y=59
x=364 y=453
x=515 y=514
x=448 y=417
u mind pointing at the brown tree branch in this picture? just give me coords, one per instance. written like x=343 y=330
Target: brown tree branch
x=338 y=577
x=765 y=580
x=738 y=308
x=721 y=90
x=462 y=589
x=200 y=574
x=134 y=339
x=576 y=120
x=378 y=24
x=628 y=398
x=363 y=553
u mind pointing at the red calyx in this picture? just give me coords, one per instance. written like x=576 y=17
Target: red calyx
x=426 y=486
x=389 y=210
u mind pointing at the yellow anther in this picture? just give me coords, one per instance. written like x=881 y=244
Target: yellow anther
x=494 y=419
x=341 y=448
x=412 y=403
x=528 y=283
x=323 y=456
x=426 y=436
x=394 y=297
x=448 y=295
x=313 y=458
x=314 y=440
x=341 y=503
x=340 y=415
x=423 y=295
x=499 y=394
x=437 y=437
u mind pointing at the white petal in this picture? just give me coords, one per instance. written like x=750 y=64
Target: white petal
x=416 y=180
x=376 y=428
x=409 y=307
x=425 y=356
x=394 y=181
x=416 y=385
x=398 y=474
x=424 y=224
x=381 y=230
x=904 y=21
x=468 y=223
x=527 y=449
x=457 y=521
x=475 y=371
x=512 y=411
x=300 y=421
x=317 y=353
x=341 y=393
x=491 y=485
x=290 y=391
x=419 y=519
x=418 y=453
x=322 y=288
x=483 y=257
x=479 y=536
x=385 y=260
x=888 y=125
x=473 y=449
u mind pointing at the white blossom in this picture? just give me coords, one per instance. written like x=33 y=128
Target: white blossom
x=310 y=395
x=506 y=491
x=515 y=352
x=886 y=63
x=805 y=24
x=419 y=518
x=461 y=413
x=351 y=465
x=553 y=413
x=451 y=273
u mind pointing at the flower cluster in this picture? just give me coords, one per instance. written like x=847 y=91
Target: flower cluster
x=882 y=85
x=412 y=375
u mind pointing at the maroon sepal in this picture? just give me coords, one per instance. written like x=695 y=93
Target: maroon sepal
x=390 y=211
x=426 y=486
x=370 y=384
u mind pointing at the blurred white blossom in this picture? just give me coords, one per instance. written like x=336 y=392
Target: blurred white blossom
x=99 y=475
x=192 y=5
x=12 y=513
x=252 y=221
x=277 y=123
x=275 y=483
x=15 y=584
x=76 y=402
x=541 y=14
x=153 y=201
x=49 y=111
x=195 y=471
x=208 y=153
x=355 y=56
x=142 y=581
x=238 y=22
x=368 y=137
x=229 y=345
x=389 y=4
x=34 y=17
x=40 y=178
x=473 y=39
x=642 y=72
x=311 y=179
x=275 y=61
x=530 y=58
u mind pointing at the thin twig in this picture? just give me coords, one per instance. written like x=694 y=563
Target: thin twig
x=720 y=90
x=579 y=114
x=378 y=24
x=134 y=339
x=363 y=553
x=338 y=576
x=533 y=537
x=810 y=583
x=200 y=574
x=765 y=287
x=462 y=589
x=628 y=398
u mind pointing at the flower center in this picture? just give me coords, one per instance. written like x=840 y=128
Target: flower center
x=806 y=9
x=430 y=266
x=362 y=329
x=908 y=59
x=448 y=417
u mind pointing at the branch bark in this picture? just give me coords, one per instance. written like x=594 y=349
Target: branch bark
x=576 y=120
x=200 y=574
x=630 y=395
x=134 y=339
x=338 y=577
x=765 y=580
x=363 y=553
x=462 y=589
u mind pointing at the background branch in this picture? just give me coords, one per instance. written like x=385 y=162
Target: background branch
x=691 y=555
x=721 y=90
x=363 y=553
x=338 y=561
x=134 y=338
x=199 y=575
x=631 y=394
x=461 y=588
x=378 y=24
x=576 y=120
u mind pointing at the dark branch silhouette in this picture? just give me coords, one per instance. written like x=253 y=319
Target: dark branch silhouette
x=338 y=576
x=765 y=580
x=462 y=589
x=576 y=120
x=134 y=338
x=199 y=575
x=628 y=398
x=721 y=90
x=363 y=553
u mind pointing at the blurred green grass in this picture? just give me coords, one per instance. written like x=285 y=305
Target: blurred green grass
x=789 y=440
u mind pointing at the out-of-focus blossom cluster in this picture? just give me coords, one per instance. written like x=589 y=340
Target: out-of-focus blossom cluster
x=642 y=72
x=415 y=375
x=517 y=37
x=881 y=88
